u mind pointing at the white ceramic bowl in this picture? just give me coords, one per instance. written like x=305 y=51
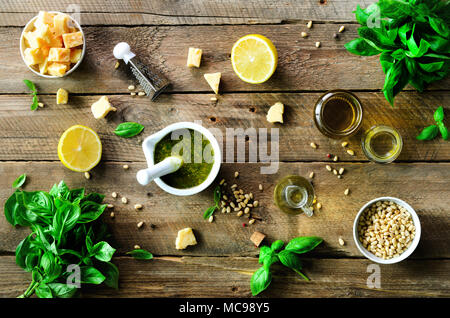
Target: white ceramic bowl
x=411 y=247
x=29 y=26
x=149 y=148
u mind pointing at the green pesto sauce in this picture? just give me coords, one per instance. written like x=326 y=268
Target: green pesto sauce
x=192 y=173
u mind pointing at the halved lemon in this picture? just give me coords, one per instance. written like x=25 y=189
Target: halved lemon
x=254 y=58
x=79 y=148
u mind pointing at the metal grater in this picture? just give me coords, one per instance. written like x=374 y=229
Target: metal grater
x=152 y=81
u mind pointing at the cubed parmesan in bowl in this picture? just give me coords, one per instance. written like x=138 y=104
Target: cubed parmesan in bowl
x=52 y=44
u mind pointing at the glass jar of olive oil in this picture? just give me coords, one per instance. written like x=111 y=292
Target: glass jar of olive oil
x=294 y=195
x=338 y=114
x=382 y=144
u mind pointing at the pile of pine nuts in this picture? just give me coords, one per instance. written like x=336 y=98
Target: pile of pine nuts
x=386 y=229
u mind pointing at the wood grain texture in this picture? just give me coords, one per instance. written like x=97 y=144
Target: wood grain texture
x=28 y=135
x=301 y=67
x=226 y=236
x=186 y=12
x=230 y=277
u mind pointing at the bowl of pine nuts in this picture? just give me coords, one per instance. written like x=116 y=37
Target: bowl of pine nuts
x=386 y=230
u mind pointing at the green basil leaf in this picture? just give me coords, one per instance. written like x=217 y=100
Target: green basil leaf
x=260 y=281
x=13 y=211
x=19 y=181
x=290 y=260
x=414 y=49
x=94 y=197
x=62 y=290
x=359 y=46
x=209 y=212
x=140 y=254
x=398 y=54
x=439 y=114
x=443 y=130
x=27 y=256
x=386 y=61
x=277 y=245
x=102 y=251
x=376 y=38
x=91 y=275
x=437 y=43
x=61 y=190
x=65 y=218
x=395 y=9
x=30 y=85
x=440 y=26
x=128 y=129
x=303 y=244
x=51 y=268
x=90 y=211
x=111 y=273
x=432 y=67
x=428 y=133
x=393 y=77
x=43 y=291
x=363 y=15
x=34 y=104
x=264 y=252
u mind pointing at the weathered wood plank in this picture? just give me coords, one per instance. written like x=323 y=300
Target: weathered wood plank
x=301 y=65
x=131 y=12
x=425 y=186
x=28 y=135
x=230 y=277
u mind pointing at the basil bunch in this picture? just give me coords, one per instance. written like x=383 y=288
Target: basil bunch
x=262 y=278
x=65 y=230
x=32 y=88
x=432 y=131
x=412 y=38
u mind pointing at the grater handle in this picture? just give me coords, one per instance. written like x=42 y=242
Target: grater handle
x=122 y=51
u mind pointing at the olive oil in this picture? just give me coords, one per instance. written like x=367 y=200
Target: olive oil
x=294 y=195
x=338 y=114
x=382 y=144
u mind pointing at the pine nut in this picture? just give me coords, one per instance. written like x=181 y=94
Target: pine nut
x=222 y=181
x=125 y=167
x=255 y=204
x=110 y=206
x=112 y=215
x=260 y=187
x=317 y=44
x=347 y=191
x=124 y=200
x=41 y=104
x=141 y=93
x=131 y=88
x=311 y=175
x=335 y=172
x=87 y=175
x=133 y=93
x=341 y=171
x=341 y=29
x=211 y=218
x=236 y=174
x=234 y=186
x=137 y=247
x=309 y=25
x=344 y=144
x=138 y=206
x=116 y=66
x=341 y=242
x=328 y=167
x=140 y=224
x=335 y=158
x=247 y=210
x=350 y=152
x=319 y=205
x=304 y=34
x=240 y=213
x=251 y=221
x=114 y=195
x=313 y=145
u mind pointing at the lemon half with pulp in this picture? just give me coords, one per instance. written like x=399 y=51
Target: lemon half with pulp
x=80 y=148
x=254 y=58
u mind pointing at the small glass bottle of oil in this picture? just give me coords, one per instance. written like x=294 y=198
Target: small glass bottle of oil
x=294 y=195
x=338 y=113
x=382 y=144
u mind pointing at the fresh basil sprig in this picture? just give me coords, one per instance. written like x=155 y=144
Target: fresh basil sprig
x=412 y=38
x=19 y=181
x=140 y=254
x=430 y=132
x=262 y=278
x=65 y=230
x=32 y=88
x=212 y=209
x=128 y=129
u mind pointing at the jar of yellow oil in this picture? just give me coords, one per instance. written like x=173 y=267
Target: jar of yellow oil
x=382 y=144
x=294 y=195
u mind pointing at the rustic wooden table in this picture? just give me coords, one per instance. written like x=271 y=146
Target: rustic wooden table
x=221 y=265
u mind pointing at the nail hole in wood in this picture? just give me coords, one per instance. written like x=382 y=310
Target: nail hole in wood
x=252 y=109
x=322 y=1
x=213 y=119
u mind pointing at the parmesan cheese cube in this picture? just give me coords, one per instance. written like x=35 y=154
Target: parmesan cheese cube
x=44 y=18
x=75 y=55
x=275 y=113
x=61 y=55
x=72 y=39
x=194 y=57
x=62 y=96
x=101 y=108
x=33 y=56
x=57 y=69
x=56 y=41
x=38 y=38
x=60 y=25
x=43 y=67
x=213 y=80
x=185 y=238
